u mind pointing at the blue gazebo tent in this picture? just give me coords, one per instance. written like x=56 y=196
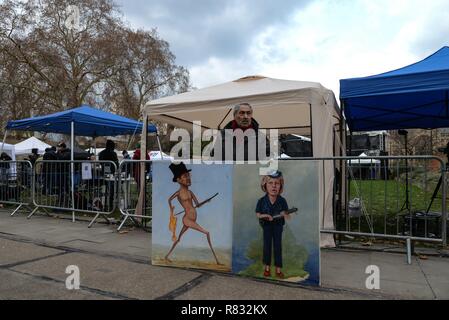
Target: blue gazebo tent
x=87 y=121
x=416 y=96
x=81 y=121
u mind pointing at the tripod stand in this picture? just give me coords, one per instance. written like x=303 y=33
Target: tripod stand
x=435 y=192
x=406 y=205
x=437 y=188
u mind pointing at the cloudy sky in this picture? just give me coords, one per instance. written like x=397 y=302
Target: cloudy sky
x=312 y=40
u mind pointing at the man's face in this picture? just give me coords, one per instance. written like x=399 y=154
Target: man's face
x=273 y=187
x=244 y=116
x=185 y=179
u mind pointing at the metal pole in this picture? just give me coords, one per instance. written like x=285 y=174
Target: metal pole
x=3 y=144
x=409 y=251
x=72 y=167
x=143 y=181
x=159 y=144
x=444 y=213
x=407 y=203
x=143 y=152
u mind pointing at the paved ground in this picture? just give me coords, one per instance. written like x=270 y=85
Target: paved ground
x=34 y=255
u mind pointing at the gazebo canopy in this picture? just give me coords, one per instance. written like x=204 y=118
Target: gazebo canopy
x=416 y=96
x=88 y=121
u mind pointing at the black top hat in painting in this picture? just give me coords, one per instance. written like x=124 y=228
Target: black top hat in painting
x=178 y=170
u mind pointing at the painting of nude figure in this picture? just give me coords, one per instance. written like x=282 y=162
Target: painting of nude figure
x=192 y=216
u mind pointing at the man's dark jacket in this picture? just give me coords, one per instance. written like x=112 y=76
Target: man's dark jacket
x=109 y=155
x=231 y=126
x=65 y=155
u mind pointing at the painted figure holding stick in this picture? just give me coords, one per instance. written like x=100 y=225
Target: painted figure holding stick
x=272 y=210
x=181 y=175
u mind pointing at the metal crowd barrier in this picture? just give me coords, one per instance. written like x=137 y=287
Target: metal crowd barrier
x=93 y=188
x=16 y=184
x=134 y=204
x=398 y=198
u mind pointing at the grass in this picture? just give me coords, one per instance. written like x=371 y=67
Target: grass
x=384 y=201
x=389 y=196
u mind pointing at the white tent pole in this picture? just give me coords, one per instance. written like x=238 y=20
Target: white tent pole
x=3 y=144
x=72 y=167
x=159 y=144
x=140 y=209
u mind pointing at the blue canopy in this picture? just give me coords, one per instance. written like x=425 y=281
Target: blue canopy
x=415 y=96
x=88 y=122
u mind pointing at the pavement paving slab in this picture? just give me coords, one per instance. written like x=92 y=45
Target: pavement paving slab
x=226 y=288
x=116 y=265
x=128 y=279
x=12 y=252
x=16 y=286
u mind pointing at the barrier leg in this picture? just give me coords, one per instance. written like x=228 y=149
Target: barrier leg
x=16 y=210
x=93 y=220
x=409 y=251
x=32 y=213
x=47 y=213
x=123 y=223
x=106 y=218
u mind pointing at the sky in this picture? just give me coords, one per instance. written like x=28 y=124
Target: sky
x=308 y=40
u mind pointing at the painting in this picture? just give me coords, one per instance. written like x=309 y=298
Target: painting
x=192 y=215
x=276 y=222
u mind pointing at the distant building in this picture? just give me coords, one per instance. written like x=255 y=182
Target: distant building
x=296 y=146
x=371 y=143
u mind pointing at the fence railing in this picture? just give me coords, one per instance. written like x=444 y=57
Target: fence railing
x=135 y=203
x=16 y=184
x=399 y=198
x=93 y=188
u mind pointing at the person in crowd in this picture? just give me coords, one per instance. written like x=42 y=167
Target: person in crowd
x=49 y=171
x=33 y=156
x=63 y=166
x=4 y=165
x=126 y=155
x=136 y=167
x=109 y=154
x=5 y=157
x=4 y=175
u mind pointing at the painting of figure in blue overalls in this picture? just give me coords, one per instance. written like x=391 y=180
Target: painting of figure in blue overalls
x=276 y=222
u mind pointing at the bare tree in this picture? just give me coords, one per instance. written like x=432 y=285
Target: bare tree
x=47 y=66
x=147 y=71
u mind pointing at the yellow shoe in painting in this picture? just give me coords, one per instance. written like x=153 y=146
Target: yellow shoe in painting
x=172 y=225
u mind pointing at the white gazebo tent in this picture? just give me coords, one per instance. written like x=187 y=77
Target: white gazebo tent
x=365 y=163
x=295 y=107
x=25 y=147
x=159 y=156
x=364 y=160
